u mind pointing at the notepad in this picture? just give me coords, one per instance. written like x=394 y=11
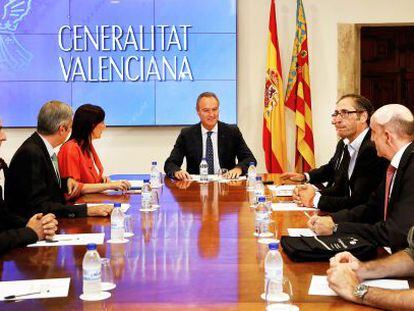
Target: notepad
x=136 y=184
x=298 y=232
x=282 y=190
x=38 y=288
x=284 y=207
x=71 y=239
x=319 y=285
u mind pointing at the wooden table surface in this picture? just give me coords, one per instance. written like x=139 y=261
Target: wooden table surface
x=198 y=252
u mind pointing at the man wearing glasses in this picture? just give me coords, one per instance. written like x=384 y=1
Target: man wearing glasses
x=354 y=171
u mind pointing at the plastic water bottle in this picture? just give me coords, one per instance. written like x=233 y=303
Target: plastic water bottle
x=274 y=270
x=262 y=217
x=91 y=267
x=203 y=170
x=259 y=188
x=155 y=179
x=146 y=195
x=251 y=176
x=117 y=223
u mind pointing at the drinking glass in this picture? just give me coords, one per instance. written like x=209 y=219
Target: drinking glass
x=129 y=232
x=279 y=296
x=107 y=277
x=155 y=199
x=221 y=173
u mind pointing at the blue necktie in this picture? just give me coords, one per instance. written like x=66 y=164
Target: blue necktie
x=209 y=153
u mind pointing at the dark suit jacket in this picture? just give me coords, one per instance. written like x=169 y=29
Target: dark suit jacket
x=13 y=230
x=189 y=144
x=368 y=173
x=31 y=185
x=368 y=219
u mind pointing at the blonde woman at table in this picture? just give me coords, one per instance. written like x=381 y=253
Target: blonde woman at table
x=78 y=158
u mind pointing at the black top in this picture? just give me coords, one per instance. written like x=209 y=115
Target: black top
x=189 y=144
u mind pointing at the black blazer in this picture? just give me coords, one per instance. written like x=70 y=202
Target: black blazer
x=31 y=185
x=368 y=173
x=13 y=230
x=368 y=219
x=189 y=144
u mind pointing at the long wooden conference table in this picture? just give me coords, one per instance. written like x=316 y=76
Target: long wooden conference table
x=197 y=252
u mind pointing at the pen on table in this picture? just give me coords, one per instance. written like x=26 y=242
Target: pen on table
x=307 y=215
x=22 y=295
x=62 y=240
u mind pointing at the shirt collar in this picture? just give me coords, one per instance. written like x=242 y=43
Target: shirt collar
x=396 y=159
x=204 y=131
x=357 y=142
x=49 y=147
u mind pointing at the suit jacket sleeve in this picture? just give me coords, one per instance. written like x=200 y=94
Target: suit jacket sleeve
x=175 y=160
x=326 y=173
x=32 y=189
x=244 y=154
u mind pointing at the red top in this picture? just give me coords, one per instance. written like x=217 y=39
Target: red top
x=79 y=165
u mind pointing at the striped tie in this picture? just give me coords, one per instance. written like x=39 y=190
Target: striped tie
x=209 y=153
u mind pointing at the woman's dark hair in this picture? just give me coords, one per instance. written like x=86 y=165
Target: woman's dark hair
x=84 y=121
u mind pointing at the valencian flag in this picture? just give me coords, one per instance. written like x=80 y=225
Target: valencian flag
x=274 y=136
x=298 y=95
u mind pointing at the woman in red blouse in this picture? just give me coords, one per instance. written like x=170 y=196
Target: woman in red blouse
x=78 y=158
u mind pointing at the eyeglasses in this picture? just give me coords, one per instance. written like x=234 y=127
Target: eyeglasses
x=343 y=113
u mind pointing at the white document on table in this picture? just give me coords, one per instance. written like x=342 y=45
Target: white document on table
x=319 y=285
x=136 y=183
x=217 y=178
x=124 y=206
x=31 y=289
x=298 y=232
x=282 y=190
x=289 y=206
x=71 y=239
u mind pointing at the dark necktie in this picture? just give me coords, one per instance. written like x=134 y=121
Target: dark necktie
x=343 y=167
x=209 y=153
x=388 y=178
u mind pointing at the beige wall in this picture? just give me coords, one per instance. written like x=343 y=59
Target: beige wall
x=132 y=149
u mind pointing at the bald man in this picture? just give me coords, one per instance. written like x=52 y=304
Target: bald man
x=388 y=215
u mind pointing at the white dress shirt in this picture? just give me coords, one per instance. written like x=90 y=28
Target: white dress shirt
x=395 y=162
x=214 y=140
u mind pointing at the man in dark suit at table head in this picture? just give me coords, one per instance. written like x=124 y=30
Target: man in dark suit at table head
x=388 y=215
x=16 y=231
x=354 y=171
x=218 y=142
x=33 y=183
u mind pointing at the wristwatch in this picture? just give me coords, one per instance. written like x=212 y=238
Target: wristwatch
x=360 y=291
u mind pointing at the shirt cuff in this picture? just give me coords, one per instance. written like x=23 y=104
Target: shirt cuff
x=307 y=177
x=316 y=199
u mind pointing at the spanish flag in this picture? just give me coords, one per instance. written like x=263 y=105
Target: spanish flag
x=298 y=95
x=274 y=136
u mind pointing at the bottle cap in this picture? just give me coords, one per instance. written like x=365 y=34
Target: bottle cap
x=258 y=178
x=274 y=246
x=146 y=181
x=154 y=162
x=117 y=204
x=91 y=246
x=262 y=199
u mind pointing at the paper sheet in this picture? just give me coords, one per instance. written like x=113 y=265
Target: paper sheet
x=72 y=239
x=216 y=178
x=136 y=183
x=297 y=232
x=283 y=207
x=282 y=190
x=319 y=285
x=48 y=288
x=124 y=206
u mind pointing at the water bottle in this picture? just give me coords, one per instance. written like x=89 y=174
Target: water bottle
x=91 y=267
x=274 y=270
x=146 y=195
x=259 y=188
x=155 y=179
x=251 y=176
x=262 y=218
x=203 y=170
x=117 y=223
